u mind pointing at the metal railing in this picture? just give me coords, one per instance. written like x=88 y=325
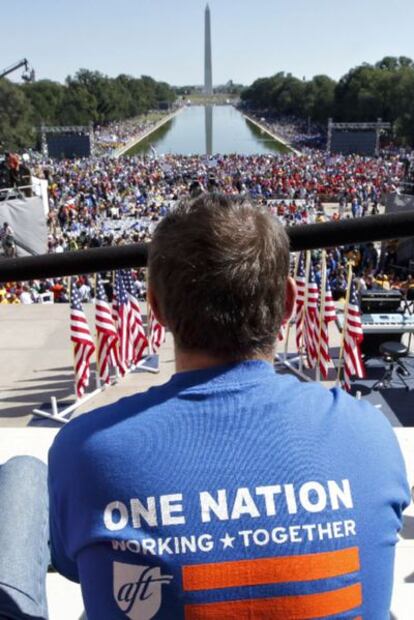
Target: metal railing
x=14 y=192
x=304 y=237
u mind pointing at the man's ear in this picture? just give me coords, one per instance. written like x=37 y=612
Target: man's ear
x=155 y=307
x=290 y=298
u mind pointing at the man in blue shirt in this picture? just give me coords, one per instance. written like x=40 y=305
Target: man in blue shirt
x=230 y=491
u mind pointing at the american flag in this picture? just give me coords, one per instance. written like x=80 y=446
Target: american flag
x=121 y=312
x=107 y=336
x=328 y=313
x=353 y=336
x=300 y=300
x=311 y=323
x=138 y=337
x=156 y=332
x=81 y=337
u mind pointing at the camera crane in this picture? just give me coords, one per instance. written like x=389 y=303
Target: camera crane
x=28 y=74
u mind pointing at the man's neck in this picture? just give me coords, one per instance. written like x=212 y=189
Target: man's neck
x=196 y=360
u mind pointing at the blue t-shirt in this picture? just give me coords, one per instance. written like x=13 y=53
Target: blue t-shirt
x=231 y=492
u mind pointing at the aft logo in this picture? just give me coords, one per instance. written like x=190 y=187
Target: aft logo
x=137 y=589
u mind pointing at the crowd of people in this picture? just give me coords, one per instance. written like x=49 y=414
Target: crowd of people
x=106 y=201
x=111 y=137
x=298 y=133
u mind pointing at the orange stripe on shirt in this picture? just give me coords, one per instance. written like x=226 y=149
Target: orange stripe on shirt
x=305 y=606
x=270 y=570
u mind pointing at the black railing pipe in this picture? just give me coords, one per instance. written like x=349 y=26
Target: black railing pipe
x=306 y=237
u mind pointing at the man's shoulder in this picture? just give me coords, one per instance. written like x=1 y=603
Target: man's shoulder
x=307 y=405
x=89 y=425
x=360 y=423
x=337 y=407
x=359 y=411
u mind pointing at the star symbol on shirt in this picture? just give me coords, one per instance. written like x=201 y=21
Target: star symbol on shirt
x=227 y=541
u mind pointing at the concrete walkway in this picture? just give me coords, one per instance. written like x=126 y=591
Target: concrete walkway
x=38 y=363
x=271 y=134
x=123 y=150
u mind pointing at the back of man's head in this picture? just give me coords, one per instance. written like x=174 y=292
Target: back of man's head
x=217 y=269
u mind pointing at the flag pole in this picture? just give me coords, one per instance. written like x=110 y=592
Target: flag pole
x=70 y=285
x=98 y=368
x=321 y=313
x=61 y=416
x=116 y=325
x=150 y=362
x=287 y=335
x=150 y=351
x=346 y=309
x=305 y=302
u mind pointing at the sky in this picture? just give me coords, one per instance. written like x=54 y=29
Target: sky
x=165 y=38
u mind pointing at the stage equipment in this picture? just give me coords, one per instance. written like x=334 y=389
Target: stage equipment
x=28 y=74
x=380 y=301
x=67 y=142
x=393 y=353
x=393 y=323
x=26 y=217
x=359 y=138
x=11 y=178
x=407 y=183
x=380 y=328
x=305 y=237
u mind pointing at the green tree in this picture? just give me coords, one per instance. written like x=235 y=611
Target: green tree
x=46 y=99
x=15 y=117
x=384 y=90
x=319 y=97
x=257 y=96
x=78 y=106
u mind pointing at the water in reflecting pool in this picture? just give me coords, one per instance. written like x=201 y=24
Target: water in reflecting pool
x=207 y=130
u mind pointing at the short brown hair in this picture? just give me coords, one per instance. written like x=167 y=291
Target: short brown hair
x=218 y=268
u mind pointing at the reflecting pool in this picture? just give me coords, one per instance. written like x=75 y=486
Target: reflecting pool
x=209 y=129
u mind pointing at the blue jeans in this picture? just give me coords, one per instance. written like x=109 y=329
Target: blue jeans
x=24 y=539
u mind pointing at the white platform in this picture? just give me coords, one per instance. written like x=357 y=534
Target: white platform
x=65 y=600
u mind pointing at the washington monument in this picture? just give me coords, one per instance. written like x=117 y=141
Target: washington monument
x=208 y=71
